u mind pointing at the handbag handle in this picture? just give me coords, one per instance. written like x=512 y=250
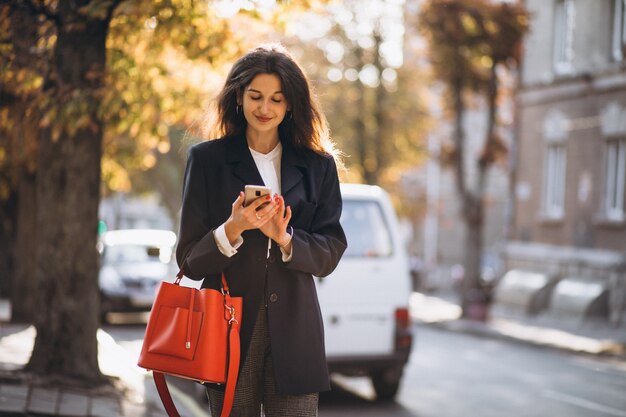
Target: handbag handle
x=181 y=274
x=231 y=381
x=234 y=355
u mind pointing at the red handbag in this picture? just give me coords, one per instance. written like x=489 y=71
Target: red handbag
x=193 y=334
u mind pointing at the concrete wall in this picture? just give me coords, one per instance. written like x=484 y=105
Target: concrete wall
x=582 y=224
x=576 y=101
x=571 y=107
x=591 y=40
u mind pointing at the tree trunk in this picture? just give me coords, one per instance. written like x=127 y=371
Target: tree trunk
x=68 y=195
x=8 y=213
x=513 y=162
x=475 y=297
x=474 y=300
x=21 y=143
x=383 y=146
x=471 y=213
x=24 y=284
x=459 y=141
x=362 y=138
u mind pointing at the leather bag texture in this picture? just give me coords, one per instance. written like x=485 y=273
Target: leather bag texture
x=194 y=334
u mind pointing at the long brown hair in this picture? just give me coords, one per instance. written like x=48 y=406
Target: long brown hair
x=304 y=125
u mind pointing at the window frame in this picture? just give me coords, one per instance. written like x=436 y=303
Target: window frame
x=554 y=179
x=618 y=33
x=388 y=233
x=614 y=190
x=563 y=40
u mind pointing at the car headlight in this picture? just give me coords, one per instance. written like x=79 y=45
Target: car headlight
x=110 y=280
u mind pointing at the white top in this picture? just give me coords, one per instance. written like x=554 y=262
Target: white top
x=269 y=167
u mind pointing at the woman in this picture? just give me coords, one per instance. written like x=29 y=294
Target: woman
x=272 y=133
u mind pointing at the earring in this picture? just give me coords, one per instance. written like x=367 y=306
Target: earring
x=237 y=109
x=290 y=115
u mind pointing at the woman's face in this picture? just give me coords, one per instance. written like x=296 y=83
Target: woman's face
x=264 y=105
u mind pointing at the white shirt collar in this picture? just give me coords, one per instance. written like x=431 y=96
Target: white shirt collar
x=271 y=155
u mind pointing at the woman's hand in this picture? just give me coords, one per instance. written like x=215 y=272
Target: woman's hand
x=276 y=227
x=247 y=218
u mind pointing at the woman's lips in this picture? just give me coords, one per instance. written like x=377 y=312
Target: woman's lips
x=263 y=119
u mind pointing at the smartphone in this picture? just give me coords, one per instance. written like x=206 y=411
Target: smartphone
x=252 y=192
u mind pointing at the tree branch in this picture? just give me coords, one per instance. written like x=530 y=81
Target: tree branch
x=112 y=8
x=37 y=8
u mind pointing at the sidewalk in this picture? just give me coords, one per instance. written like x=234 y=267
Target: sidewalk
x=134 y=393
x=596 y=338
x=136 y=396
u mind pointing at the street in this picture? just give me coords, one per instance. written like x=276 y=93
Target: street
x=454 y=374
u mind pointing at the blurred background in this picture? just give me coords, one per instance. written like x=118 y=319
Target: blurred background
x=498 y=129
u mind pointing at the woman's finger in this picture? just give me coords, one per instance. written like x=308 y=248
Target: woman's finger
x=260 y=201
x=239 y=201
x=288 y=216
x=268 y=210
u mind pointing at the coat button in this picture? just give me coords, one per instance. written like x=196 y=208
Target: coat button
x=273 y=297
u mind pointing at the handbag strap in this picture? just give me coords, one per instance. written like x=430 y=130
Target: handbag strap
x=234 y=355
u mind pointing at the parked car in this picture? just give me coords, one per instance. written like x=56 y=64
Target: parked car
x=133 y=263
x=364 y=302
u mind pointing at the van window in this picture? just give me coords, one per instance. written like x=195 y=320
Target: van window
x=366 y=230
x=120 y=254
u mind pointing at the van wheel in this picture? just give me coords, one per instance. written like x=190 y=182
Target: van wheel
x=386 y=383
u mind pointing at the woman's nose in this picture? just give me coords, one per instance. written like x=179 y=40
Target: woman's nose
x=264 y=106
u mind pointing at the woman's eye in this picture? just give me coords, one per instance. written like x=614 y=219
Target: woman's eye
x=276 y=100
x=255 y=98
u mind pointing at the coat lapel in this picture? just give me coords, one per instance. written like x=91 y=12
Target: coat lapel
x=243 y=164
x=292 y=164
x=291 y=167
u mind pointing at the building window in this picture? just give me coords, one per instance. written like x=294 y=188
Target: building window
x=619 y=29
x=615 y=179
x=554 y=181
x=563 y=36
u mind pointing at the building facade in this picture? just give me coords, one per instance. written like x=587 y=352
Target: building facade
x=438 y=237
x=570 y=218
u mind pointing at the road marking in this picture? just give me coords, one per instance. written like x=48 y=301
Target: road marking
x=590 y=405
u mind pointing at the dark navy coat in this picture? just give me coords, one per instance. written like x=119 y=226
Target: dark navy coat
x=216 y=172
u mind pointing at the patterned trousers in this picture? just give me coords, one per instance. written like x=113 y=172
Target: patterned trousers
x=255 y=393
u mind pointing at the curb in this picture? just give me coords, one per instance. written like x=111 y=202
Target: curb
x=583 y=345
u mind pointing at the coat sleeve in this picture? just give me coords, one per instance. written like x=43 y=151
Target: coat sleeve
x=319 y=250
x=197 y=252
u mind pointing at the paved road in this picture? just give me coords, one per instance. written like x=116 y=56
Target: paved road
x=454 y=375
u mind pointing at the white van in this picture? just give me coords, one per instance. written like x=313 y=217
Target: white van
x=365 y=300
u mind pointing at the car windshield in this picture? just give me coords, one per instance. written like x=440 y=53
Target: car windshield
x=119 y=254
x=366 y=230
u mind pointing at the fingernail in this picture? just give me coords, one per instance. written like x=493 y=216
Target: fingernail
x=268 y=197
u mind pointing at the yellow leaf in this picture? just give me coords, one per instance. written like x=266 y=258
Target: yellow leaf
x=148 y=161
x=56 y=134
x=5 y=191
x=164 y=146
x=486 y=61
x=469 y=24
